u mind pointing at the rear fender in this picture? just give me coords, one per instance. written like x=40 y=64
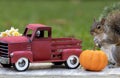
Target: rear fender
x=68 y=52
x=18 y=54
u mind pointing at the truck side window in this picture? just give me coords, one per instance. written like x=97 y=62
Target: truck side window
x=41 y=34
x=45 y=34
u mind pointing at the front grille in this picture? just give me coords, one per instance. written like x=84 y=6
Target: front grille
x=3 y=49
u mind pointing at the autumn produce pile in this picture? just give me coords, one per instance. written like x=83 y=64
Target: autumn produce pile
x=11 y=32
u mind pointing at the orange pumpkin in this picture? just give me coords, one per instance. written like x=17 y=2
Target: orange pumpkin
x=94 y=60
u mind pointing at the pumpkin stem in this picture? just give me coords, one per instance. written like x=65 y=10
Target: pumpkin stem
x=95 y=47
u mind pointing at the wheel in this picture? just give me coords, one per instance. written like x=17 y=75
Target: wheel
x=57 y=63
x=22 y=64
x=72 y=62
x=6 y=65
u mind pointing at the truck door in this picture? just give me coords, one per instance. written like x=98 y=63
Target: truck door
x=41 y=46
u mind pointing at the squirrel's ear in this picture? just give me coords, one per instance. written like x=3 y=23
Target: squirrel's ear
x=103 y=21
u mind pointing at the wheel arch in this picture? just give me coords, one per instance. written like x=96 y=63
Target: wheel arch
x=18 y=54
x=68 y=52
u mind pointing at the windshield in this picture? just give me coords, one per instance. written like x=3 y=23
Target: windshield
x=29 y=32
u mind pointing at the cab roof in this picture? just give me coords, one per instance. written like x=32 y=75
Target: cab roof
x=36 y=26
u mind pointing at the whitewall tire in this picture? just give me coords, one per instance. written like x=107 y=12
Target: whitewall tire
x=72 y=62
x=22 y=64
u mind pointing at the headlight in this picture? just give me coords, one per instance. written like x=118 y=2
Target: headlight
x=11 y=55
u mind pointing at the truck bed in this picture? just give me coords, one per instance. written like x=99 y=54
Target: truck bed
x=65 y=43
x=59 y=44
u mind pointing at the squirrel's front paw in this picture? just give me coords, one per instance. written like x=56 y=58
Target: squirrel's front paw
x=97 y=43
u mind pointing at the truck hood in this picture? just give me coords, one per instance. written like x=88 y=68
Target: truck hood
x=14 y=39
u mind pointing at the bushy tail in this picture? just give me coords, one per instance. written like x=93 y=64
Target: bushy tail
x=113 y=21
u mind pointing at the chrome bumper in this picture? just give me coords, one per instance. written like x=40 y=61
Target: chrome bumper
x=4 y=60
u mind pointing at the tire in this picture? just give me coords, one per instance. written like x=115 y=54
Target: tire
x=57 y=63
x=22 y=64
x=6 y=65
x=72 y=62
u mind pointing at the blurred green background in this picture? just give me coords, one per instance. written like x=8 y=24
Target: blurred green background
x=66 y=17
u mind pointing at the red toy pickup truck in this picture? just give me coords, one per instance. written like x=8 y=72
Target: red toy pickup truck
x=36 y=45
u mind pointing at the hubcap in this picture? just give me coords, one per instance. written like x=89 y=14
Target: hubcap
x=21 y=63
x=73 y=60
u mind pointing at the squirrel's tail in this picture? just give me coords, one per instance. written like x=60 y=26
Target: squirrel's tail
x=113 y=21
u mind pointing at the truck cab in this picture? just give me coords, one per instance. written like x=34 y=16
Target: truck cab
x=40 y=39
x=37 y=45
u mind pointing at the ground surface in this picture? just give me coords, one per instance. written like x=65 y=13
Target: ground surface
x=47 y=70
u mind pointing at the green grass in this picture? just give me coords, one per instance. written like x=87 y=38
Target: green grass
x=67 y=18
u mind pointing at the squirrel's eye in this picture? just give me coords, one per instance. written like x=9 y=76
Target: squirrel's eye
x=98 y=27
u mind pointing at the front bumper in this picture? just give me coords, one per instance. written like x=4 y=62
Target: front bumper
x=4 y=60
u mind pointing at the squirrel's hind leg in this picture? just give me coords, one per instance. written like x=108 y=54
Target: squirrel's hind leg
x=111 y=65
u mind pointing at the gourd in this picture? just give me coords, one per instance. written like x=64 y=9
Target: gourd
x=94 y=60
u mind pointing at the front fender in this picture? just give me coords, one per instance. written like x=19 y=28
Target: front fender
x=68 y=52
x=18 y=54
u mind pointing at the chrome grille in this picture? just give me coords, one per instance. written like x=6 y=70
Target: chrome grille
x=3 y=49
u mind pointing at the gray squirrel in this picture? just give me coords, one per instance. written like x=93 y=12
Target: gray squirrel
x=107 y=36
